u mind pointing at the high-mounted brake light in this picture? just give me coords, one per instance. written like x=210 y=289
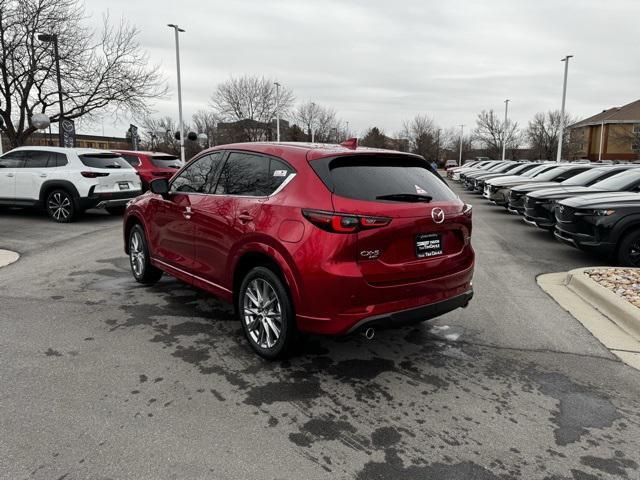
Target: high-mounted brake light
x=343 y=222
x=94 y=174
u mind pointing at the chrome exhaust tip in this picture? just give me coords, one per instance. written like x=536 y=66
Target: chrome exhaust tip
x=369 y=333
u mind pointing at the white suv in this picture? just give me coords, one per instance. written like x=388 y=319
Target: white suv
x=66 y=181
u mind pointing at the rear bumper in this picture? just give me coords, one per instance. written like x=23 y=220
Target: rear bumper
x=413 y=315
x=352 y=303
x=108 y=199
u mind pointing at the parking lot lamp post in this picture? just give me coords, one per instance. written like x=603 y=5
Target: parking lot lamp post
x=177 y=31
x=347 y=132
x=277 y=110
x=53 y=38
x=601 y=140
x=461 y=135
x=438 y=145
x=311 y=120
x=564 y=97
x=504 y=129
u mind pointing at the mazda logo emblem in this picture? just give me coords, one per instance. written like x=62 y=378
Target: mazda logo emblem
x=561 y=208
x=438 y=215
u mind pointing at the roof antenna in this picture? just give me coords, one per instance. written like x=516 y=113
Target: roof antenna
x=351 y=143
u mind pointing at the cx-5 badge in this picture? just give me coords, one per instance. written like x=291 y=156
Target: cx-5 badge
x=438 y=215
x=370 y=254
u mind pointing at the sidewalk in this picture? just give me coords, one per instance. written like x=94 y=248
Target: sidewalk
x=7 y=257
x=608 y=316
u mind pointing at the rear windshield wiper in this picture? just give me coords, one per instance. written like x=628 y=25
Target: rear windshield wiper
x=115 y=165
x=406 y=197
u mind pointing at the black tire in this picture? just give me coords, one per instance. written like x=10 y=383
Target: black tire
x=282 y=315
x=61 y=206
x=115 y=211
x=139 y=258
x=629 y=249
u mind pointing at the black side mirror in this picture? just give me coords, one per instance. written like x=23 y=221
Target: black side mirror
x=160 y=186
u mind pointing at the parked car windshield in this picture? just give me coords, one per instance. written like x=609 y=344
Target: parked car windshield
x=166 y=161
x=536 y=171
x=620 y=181
x=104 y=160
x=369 y=177
x=585 y=178
x=550 y=174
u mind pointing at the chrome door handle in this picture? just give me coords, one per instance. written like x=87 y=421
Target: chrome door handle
x=9 y=174
x=187 y=213
x=43 y=175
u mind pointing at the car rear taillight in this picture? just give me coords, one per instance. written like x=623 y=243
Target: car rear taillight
x=94 y=174
x=343 y=222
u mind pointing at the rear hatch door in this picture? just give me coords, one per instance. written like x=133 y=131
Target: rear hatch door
x=113 y=173
x=428 y=226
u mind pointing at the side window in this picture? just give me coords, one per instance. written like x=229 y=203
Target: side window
x=132 y=160
x=252 y=175
x=11 y=160
x=199 y=177
x=36 y=159
x=278 y=173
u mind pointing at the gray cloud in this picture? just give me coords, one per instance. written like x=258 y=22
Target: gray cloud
x=380 y=62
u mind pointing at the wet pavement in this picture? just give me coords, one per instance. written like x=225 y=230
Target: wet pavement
x=104 y=378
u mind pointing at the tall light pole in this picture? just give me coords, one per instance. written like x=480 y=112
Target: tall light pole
x=177 y=31
x=277 y=110
x=504 y=129
x=461 y=135
x=347 y=130
x=438 y=146
x=564 y=97
x=53 y=38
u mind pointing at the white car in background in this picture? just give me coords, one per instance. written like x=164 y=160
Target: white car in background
x=66 y=181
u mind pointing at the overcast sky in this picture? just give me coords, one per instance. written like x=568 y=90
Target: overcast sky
x=381 y=62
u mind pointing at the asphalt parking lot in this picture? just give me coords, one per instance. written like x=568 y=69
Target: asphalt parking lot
x=104 y=378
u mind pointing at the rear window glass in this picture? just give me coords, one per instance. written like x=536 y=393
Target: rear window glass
x=166 y=161
x=132 y=160
x=104 y=160
x=369 y=177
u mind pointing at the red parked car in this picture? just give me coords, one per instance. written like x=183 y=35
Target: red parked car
x=326 y=239
x=151 y=165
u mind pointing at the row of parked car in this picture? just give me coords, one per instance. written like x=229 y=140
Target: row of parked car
x=590 y=206
x=67 y=181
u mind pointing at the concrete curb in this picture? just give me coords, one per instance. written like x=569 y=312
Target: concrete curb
x=614 y=337
x=7 y=257
x=616 y=308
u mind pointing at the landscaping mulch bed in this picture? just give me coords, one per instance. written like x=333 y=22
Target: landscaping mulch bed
x=624 y=282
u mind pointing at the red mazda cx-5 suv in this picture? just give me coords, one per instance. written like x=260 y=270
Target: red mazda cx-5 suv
x=151 y=165
x=327 y=239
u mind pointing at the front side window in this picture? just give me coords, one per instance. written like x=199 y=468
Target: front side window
x=12 y=160
x=251 y=174
x=36 y=159
x=199 y=176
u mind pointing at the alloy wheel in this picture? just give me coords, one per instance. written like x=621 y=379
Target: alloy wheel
x=60 y=206
x=262 y=314
x=136 y=254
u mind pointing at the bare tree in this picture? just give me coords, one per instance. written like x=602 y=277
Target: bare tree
x=491 y=133
x=254 y=99
x=422 y=134
x=205 y=121
x=450 y=140
x=320 y=123
x=107 y=72
x=542 y=134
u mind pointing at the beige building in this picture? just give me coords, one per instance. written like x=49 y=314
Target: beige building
x=612 y=134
